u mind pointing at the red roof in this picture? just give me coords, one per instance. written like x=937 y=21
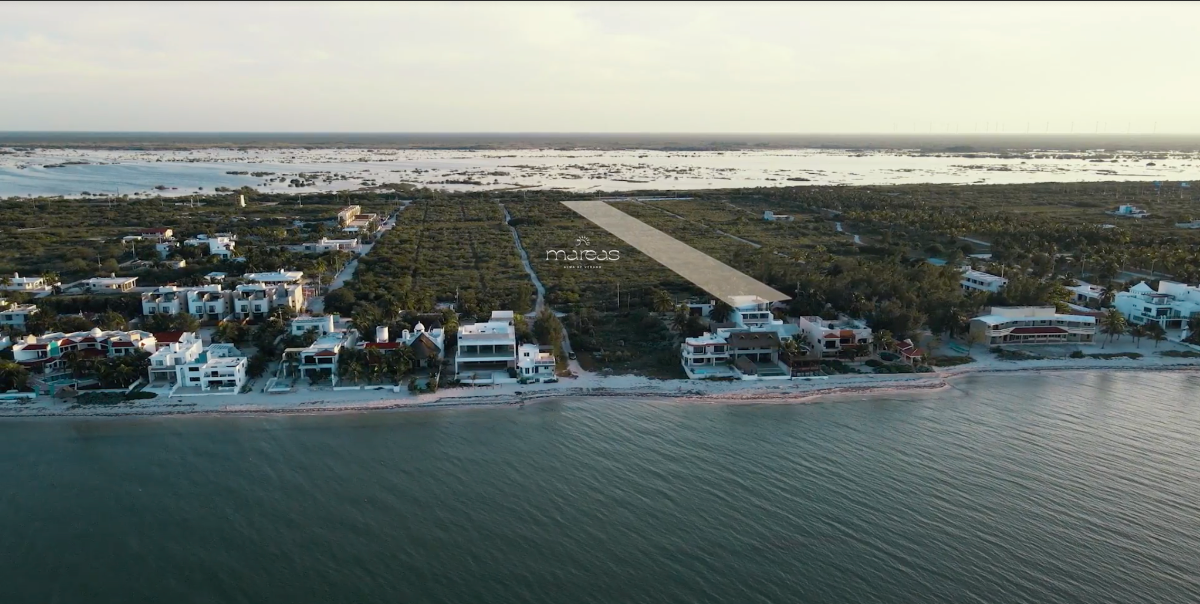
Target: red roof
x=169 y=337
x=1022 y=331
x=35 y=347
x=92 y=352
x=383 y=345
x=87 y=339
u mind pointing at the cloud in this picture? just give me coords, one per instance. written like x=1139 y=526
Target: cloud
x=713 y=67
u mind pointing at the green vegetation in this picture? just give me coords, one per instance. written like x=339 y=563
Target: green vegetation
x=1181 y=354
x=111 y=398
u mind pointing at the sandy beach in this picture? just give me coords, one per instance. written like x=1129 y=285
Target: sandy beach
x=796 y=390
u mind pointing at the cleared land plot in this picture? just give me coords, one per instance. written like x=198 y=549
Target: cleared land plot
x=708 y=273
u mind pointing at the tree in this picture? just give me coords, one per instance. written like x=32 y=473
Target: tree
x=1156 y=333
x=112 y=320
x=974 y=337
x=50 y=277
x=660 y=301
x=231 y=332
x=12 y=376
x=164 y=322
x=256 y=366
x=1193 y=328
x=1112 y=323
x=721 y=312
x=1137 y=332
x=680 y=320
x=883 y=339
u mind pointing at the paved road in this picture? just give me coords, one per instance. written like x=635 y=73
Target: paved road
x=316 y=304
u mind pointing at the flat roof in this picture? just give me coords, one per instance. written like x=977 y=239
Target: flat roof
x=708 y=273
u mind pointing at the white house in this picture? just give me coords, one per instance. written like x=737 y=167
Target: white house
x=28 y=284
x=1170 y=306
x=329 y=245
x=257 y=300
x=44 y=355
x=220 y=245
x=487 y=350
x=206 y=302
x=321 y=357
x=835 y=337
x=158 y=234
x=981 y=281
x=17 y=315
x=111 y=283
x=534 y=364
x=1086 y=294
x=220 y=369
x=274 y=277
x=748 y=347
x=770 y=216
x=320 y=325
x=174 y=350
x=1032 y=325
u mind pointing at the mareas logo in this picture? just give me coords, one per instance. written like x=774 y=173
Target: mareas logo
x=578 y=254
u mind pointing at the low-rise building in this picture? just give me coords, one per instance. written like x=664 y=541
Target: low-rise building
x=47 y=354
x=220 y=369
x=26 y=284
x=841 y=337
x=748 y=347
x=534 y=364
x=111 y=283
x=205 y=302
x=1086 y=294
x=353 y=220
x=174 y=350
x=1171 y=305
x=17 y=315
x=220 y=245
x=770 y=216
x=255 y=301
x=158 y=234
x=274 y=277
x=319 y=325
x=320 y=359
x=1032 y=325
x=330 y=245
x=486 y=349
x=973 y=280
x=1128 y=211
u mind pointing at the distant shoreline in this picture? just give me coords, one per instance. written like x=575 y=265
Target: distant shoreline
x=932 y=142
x=796 y=391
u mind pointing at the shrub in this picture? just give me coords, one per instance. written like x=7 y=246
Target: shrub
x=1184 y=354
x=924 y=369
x=874 y=363
x=1078 y=354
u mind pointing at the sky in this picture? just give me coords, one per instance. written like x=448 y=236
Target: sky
x=600 y=67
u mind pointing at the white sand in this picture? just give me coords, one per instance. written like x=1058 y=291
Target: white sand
x=590 y=384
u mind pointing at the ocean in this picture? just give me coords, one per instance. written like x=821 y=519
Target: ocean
x=1077 y=487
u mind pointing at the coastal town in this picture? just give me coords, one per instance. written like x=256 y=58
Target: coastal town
x=243 y=339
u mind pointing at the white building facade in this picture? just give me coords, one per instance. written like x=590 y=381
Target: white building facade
x=1171 y=305
x=1032 y=325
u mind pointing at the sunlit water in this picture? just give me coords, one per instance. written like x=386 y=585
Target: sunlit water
x=107 y=172
x=1057 y=488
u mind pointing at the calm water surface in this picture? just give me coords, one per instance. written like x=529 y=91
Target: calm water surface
x=1054 y=488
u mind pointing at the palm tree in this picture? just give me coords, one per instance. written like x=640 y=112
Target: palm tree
x=1112 y=323
x=1157 y=333
x=883 y=339
x=50 y=277
x=680 y=320
x=720 y=312
x=661 y=301
x=1137 y=332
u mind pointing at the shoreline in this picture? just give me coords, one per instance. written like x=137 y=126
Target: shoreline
x=799 y=391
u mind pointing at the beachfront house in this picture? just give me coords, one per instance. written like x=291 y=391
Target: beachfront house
x=48 y=357
x=486 y=351
x=1032 y=325
x=973 y=280
x=842 y=337
x=749 y=346
x=1171 y=305
x=534 y=363
x=173 y=350
x=17 y=316
x=319 y=360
